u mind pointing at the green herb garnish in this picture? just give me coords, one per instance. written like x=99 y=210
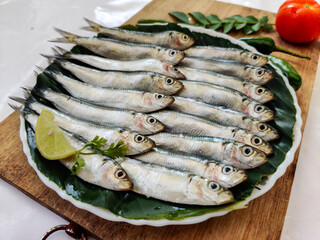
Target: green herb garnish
x=79 y=164
x=248 y=24
x=98 y=144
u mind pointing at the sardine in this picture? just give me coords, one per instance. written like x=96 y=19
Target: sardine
x=147 y=179
x=138 y=122
x=226 y=151
x=224 y=117
x=135 y=142
x=108 y=97
x=256 y=92
x=118 y=50
x=146 y=65
x=249 y=73
x=97 y=170
x=226 y=175
x=142 y=81
x=169 y=39
x=233 y=54
x=221 y=96
x=174 y=186
x=176 y=122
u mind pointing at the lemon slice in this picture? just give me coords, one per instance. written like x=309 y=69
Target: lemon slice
x=50 y=140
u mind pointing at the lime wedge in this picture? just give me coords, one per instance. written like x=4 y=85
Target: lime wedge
x=50 y=140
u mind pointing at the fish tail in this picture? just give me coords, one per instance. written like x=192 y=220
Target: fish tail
x=51 y=58
x=18 y=109
x=67 y=37
x=58 y=56
x=39 y=69
x=88 y=29
x=94 y=27
x=60 y=40
x=22 y=101
x=36 y=74
x=55 y=51
x=61 y=50
x=28 y=98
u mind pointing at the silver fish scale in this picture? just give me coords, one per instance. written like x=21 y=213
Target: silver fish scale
x=222 y=116
x=102 y=115
x=176 y=122
x=209 y=125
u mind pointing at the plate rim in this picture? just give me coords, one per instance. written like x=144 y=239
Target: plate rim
x=106 y=214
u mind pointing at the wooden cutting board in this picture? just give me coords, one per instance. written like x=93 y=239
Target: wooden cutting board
x=264 y=217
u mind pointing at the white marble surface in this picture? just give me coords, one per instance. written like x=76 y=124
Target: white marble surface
x=23 y=218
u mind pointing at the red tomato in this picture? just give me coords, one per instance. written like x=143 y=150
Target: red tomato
x=298 y=21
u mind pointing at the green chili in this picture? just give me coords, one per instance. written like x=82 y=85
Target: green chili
x=266 y=45
x=288 y=70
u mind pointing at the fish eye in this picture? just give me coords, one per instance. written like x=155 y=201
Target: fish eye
x=256 y=141
x=255 y=57
x=260 y=72
x=258 y=108
x=247 y=151
x=262 y=127
x=172 y=53
x=169 y=81
x=151 y=120
x=185 y=37
x=214 y=186
x=175 y=69
x=120 y=174
x=227 y=170
x=260 y=90
x=159 y=96
x=120 y=131
x=139 y=138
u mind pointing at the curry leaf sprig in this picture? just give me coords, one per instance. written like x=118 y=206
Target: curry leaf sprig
x=248 y=24
x=98 y=145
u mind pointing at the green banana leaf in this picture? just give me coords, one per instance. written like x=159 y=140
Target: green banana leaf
x=134 y=206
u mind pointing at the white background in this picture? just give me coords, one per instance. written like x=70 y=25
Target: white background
x=26 y=27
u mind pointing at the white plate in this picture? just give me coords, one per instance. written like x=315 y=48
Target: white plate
x=266 y=186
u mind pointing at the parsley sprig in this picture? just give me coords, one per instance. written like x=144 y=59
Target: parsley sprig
x=98 y=145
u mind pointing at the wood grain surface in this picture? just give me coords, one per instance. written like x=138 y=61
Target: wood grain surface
x=264 y=217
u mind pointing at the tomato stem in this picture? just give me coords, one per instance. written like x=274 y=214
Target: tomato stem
x=278 y=49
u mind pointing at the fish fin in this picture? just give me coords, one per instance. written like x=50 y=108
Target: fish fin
x=67 y=37
x=18 y=109
x=94 y=27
